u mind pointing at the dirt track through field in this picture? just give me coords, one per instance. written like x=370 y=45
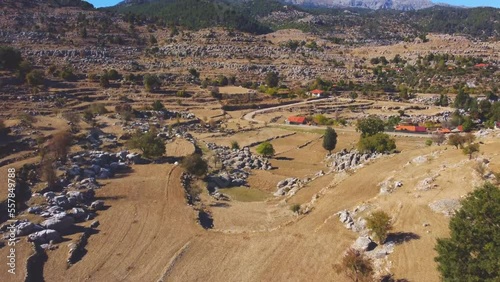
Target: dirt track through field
x=149 y=233
x=147 y=224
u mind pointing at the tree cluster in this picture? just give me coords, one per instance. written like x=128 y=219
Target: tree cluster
x=151 y=145
x=372 y=137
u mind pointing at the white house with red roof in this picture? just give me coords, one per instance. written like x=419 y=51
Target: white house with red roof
x=316 y=93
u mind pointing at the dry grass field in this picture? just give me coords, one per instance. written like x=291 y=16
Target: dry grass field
x=150 y=233
x=151 y=228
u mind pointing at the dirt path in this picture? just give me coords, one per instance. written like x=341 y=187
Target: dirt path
x=251 y=118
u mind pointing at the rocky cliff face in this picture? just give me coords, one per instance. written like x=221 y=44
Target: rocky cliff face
x=370 y=4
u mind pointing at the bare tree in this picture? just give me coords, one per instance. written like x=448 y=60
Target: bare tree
x=355 y=266
x=59 y=145
x=438 y=138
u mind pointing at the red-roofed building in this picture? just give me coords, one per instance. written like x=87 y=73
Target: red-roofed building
x=316 y=93
x=410 y=128
x=481 y=66
x=296 y=120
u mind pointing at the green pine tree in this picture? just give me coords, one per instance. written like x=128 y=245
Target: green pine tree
x=330 y=140
x=473 y=251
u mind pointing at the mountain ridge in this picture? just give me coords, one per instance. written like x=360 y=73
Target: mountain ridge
x=404 y=5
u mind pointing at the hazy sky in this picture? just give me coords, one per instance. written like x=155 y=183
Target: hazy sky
x=470 y=3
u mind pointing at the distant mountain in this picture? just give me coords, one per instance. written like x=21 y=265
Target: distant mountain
x=54 y=3
x=133 y=2
x=404 y=5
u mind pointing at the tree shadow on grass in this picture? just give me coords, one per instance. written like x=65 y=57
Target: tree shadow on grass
x=284 y=158
x=390 y=278
x=220 y=205
x=112 y=198
x=401 y=237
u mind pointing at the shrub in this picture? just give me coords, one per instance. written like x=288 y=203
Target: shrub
x=88 y=116
x=295 y=208
x=125 y=111
x=379 y=142
x=157 y=105
x=113 y=74
x=22 y=192
x=379 y=223
x=151 y=82
x=438 y=138
x=266 y=149
x=471 y=253
x=194 y=73
x=272 y=79
x=23 y=69
x=195 y=165
x=456 y=140
x=98 y=109
x=467 y=125
x=48 y=172
x=35 y=78
x=10 y=58
x=181 y=93
x=428 y=142
x=235 y=145
x=193 y=192
x=104 y=81
x=92 y=77
x=73 y=119
x=355 y=266
x=67 y=74
x=470 y=149
x=27 y=119
x=4 y=130
x=150 y=145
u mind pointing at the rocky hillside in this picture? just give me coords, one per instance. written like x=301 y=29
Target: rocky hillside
x=370 y=4
x=193 y=14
